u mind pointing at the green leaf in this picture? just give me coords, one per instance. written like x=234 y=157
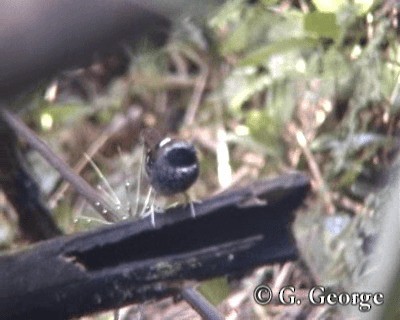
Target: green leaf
x=324 y=25
x=252 y=28
x=281 y=102
x=269 y=2
x=329 y=6
x=363 y=6
x=264 y=127
x=260 y=55
x=242 y=84
x=215 y=290
x=228 y=13
x=66 y=113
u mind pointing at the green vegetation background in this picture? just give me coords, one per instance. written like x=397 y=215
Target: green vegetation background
x=264 y=88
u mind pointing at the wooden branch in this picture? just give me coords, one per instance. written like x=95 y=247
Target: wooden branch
x=81 y=186
x=22 y=191
x=203 y=307
x=133 y=262
x=208 y=311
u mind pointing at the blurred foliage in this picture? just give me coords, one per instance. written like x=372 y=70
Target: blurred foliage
x=215 y=290
x=274 y=71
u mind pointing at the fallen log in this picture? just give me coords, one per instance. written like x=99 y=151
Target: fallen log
x=134 y=262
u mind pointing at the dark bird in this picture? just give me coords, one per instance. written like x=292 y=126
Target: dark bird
x=171 y=164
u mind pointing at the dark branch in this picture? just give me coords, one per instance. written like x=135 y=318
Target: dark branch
x=203 y=307
x=81 y=186
x=133 y=262
x=194 y=298
x=22 y=191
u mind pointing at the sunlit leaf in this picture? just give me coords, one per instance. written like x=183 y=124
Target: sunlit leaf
x=66 y=113
x=264 y=128
x=363 y=6
x=329 y=6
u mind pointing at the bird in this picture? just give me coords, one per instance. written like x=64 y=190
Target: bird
x=171 y=165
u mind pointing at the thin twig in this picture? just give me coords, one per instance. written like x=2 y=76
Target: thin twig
x=283 y=276
x=118 y=123
x=204 y=308
x=167 y=82
x=179 y=62
x=81 y=186
x=196 y=97
x=224 y=168
x=316 y=172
